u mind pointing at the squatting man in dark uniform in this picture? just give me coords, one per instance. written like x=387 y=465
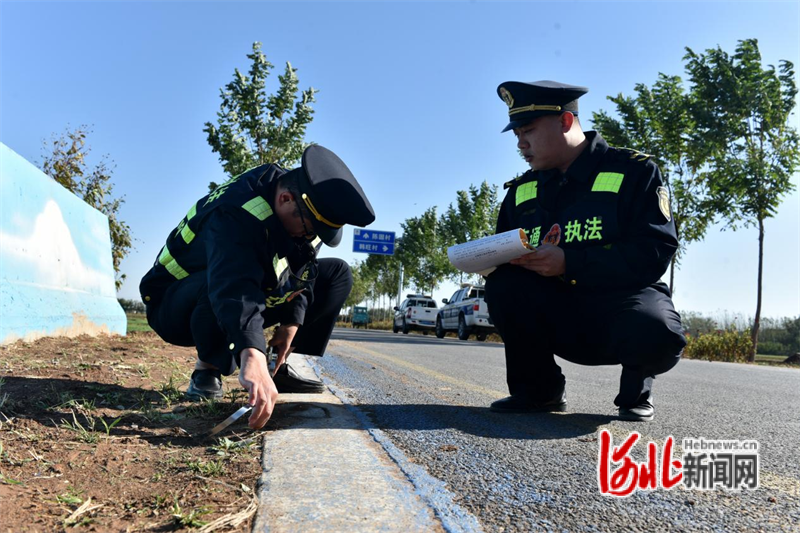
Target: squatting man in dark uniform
x=219 y=280
x=601 y=221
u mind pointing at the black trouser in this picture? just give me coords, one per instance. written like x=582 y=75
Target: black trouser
x=538 y=317
x=184 y=315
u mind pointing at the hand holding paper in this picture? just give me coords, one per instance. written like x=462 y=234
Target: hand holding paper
x=547 y=261
x=483 y=255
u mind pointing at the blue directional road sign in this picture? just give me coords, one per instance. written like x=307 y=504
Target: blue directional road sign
x=370 y=241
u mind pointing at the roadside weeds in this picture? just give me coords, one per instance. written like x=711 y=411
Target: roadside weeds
x=95 y=435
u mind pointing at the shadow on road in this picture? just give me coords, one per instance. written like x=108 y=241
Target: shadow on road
x=477 y=421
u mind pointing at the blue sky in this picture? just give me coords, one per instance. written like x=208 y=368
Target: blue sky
x=407 y=99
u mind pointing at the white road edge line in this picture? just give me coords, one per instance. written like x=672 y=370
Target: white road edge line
x=432 y=491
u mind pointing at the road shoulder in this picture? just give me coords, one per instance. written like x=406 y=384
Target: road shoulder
x=324 y=472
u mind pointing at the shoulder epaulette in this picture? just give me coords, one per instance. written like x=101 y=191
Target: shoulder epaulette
x=510 y=183
x=636 y=155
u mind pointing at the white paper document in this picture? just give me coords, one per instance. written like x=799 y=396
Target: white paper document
x=482 y=256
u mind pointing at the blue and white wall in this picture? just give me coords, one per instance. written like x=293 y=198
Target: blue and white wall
x=56 y=272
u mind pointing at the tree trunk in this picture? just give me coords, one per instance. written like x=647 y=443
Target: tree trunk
x=757 y=320
x=675 y=255
x=672 y=276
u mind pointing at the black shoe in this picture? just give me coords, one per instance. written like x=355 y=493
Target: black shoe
x=523 y=403
x=206 y=384
x=643 y=412
x=287 y=380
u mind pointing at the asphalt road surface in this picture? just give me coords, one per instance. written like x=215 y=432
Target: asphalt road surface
x=535 y=472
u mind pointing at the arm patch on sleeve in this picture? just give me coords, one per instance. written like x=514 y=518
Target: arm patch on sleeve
x=663 y=202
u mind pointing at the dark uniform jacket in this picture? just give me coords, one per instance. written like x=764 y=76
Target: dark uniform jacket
x=233 y=236
x=613 y=211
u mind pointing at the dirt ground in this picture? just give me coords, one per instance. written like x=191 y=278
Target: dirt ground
x=95 y=435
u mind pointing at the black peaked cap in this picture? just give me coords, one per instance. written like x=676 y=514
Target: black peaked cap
x=527 y=101
x=332 y=195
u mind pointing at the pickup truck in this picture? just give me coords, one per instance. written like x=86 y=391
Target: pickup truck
x=416 y=312
x=465 y=313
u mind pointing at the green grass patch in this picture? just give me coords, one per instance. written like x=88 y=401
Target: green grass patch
x=206 y=468
x=761 y=358
x=71 y=497
x=137 y=322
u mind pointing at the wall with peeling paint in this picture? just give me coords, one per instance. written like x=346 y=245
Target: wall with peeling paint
x=56 y=272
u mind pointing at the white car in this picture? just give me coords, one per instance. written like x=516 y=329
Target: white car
x=465 y=313
x=416 y=312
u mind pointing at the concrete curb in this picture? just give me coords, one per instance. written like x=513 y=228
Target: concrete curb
x=324 y=471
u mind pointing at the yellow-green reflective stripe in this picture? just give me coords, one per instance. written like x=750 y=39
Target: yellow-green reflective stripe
x=258 y=207
x=282 y=264
x=608 y=182
x=187 y=234
x=279 y=265
x=186 y=231
x=526 y=191
x=172 y=266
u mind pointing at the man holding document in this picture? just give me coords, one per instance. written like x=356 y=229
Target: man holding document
x=600 y=222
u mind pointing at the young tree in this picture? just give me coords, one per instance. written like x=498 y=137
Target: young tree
x=422 y=251
x=386 y=269
x=474 y=216
x=657 y=121
x=742 y=113
x=360 y=285
x=255 y=128
x=64 y=160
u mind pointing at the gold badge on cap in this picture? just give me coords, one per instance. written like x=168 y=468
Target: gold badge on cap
x=506 y=96
x=663 y=202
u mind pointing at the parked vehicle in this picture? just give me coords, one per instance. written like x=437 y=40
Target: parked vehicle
x=416 y=312
x=360 y=317
x=465 y=313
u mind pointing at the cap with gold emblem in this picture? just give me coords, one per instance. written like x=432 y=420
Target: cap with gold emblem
x=527 y=101
x=331 y=194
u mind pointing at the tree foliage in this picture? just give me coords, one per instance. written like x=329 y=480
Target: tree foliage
x=64 y=160
x=253 y=127
x=384 y=271
x=422 y=250
x=743 y=126
x=658 y=121
x=373 y=278
x=780 y=336
x=361 y=285
x=132 y=306
x=695 y=324
x=473 y=216
x=742 y=115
